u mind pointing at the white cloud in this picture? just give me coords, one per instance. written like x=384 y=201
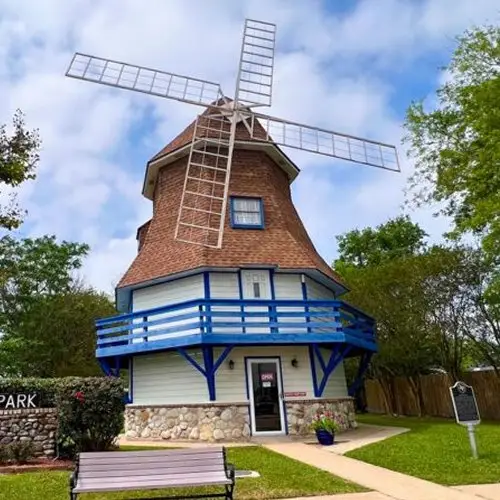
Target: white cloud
x=96 y=140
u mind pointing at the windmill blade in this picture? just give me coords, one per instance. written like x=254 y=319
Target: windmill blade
x=255 y=73
x=145 y=80
x=324 y=142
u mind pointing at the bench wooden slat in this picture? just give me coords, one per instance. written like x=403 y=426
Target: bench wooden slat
x=150 y=485
x=147 y=460
x=161 y=465
x=150 y=471
x=173 y=478
x=145 y=453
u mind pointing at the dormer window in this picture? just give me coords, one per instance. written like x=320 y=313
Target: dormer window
x=246 y=213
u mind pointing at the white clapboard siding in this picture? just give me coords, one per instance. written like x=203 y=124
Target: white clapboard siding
x=172 y=292
x=316 y=291
x=262 y=277
x=289 y=287
x=167 y=378
x=225 y=286
x=231 y=384
x=336 y=385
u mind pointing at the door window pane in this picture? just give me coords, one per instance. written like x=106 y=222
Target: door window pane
x=266 y=398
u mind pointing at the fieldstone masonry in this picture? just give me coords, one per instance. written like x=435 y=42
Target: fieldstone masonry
x=213 y=422
x=38 y=425
x=225 y=421
x=300 y=414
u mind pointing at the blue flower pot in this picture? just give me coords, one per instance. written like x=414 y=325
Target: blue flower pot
x=324 y=437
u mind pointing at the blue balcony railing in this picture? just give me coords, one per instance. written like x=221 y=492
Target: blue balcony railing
x=224 y=321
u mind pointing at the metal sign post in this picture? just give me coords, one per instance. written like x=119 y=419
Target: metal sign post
x=466 y=411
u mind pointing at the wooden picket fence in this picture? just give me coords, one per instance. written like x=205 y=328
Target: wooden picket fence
x=435 y=395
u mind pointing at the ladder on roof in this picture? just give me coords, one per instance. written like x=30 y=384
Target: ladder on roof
x=204 y=196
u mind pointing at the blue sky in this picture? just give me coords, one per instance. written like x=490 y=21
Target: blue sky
x=351 y=66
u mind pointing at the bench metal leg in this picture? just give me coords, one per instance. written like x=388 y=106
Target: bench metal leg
x=229 y=491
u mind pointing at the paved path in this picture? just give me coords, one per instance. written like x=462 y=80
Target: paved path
x=488 y=491
x=394 y=485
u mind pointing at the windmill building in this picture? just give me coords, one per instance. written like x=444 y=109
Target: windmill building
x=230 y=322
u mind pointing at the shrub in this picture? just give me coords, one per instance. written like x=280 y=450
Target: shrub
x=18 y=452
x=21 y=451
x=90 y=410
x=4 y=454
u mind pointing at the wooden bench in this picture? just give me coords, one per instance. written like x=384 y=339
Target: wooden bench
x=148 y=470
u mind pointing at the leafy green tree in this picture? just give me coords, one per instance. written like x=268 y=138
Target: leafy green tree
x=56 y=335
x=19 y=155
x=457 y=145
x=398 y=237
x=46 y=316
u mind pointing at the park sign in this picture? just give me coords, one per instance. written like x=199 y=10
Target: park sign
x=18 y=401
x=466 y=410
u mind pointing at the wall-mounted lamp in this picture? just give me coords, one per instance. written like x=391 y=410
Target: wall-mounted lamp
x=231 y=364
x=295 y=363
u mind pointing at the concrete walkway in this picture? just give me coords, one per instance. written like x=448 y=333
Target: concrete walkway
x=392 y=484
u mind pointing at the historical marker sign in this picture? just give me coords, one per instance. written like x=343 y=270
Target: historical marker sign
x=466 y=410
x=464 y=404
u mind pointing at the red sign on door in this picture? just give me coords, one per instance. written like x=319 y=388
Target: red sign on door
x=267 y=377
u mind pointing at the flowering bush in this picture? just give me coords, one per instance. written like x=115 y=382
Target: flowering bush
x=325 y=421
x=90 y=409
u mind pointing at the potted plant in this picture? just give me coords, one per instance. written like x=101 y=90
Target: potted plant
x=325 y=426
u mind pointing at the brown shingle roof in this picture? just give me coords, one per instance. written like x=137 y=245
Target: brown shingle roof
x=283 y=243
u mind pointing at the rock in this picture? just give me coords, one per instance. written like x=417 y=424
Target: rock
x=131 y=434
x=166 y=435
x=218 y=434
x=195 y=433
x=146 y=433
x=226 y=415
x=236 y=433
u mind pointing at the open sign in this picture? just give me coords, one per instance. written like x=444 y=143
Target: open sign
x=267 y=377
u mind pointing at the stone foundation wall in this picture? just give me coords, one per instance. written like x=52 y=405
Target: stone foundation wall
x=210 y=422
x=300 y=414
x=38 y=425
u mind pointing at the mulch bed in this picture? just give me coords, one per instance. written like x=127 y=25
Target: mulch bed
x=37 y=465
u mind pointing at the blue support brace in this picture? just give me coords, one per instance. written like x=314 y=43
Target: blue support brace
x=210 y=366
x=338 y=353
x=364 y=362
x=108 y=369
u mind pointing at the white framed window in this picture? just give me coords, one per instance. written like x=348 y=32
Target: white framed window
x=246 y=213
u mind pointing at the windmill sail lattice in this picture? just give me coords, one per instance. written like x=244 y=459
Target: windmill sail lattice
x=203 y=203
x=142 y=79
x=255 y=72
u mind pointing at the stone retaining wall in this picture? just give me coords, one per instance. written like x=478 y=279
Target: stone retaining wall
x=38 y=425
x=210 y=422
x=300 y=414
x=225 y=421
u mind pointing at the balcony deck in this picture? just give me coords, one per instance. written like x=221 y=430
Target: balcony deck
x=235 y=322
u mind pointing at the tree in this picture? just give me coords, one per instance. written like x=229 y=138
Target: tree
x=398 y=237
x=457 y=145
x=46 y=316
x=19 y=155
x=56 y=335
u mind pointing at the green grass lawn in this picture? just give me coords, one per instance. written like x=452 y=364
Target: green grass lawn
x=281 y=477
x=435 y=449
